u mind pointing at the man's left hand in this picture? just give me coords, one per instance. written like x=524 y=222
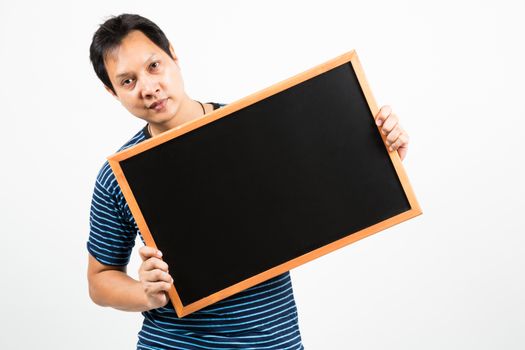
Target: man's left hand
x=396 y=136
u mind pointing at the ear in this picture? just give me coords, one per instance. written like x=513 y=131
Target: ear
x=173 y=54
x=111 y=92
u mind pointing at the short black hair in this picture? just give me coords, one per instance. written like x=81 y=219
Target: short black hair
x=110 y=35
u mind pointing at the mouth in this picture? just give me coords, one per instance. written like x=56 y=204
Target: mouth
x=158 y=105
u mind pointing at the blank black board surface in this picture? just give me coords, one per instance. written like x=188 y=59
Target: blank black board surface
x=268 y=183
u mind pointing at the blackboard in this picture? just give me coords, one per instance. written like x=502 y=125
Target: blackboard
x=266 y=183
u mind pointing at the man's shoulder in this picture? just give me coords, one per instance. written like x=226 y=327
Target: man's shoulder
x=137 y=138
x=105 y=178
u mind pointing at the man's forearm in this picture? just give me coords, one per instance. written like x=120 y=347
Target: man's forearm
x=116 y=289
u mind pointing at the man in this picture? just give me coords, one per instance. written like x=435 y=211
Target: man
x=138 y=66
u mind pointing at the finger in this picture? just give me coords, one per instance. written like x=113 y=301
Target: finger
x=393 y=146
x=148 y=252
x=154 y=276
x=393 y=135
x=389 y=124
x=382 y=115
x=402 y=151
x=157 y=287
x=401 y=142
x=154 y=263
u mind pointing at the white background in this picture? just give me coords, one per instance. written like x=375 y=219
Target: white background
x=453 y=71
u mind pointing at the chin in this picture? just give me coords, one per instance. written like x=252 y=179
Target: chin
x=160 y=118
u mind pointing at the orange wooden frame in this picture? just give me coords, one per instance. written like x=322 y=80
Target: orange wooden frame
x=114 y=161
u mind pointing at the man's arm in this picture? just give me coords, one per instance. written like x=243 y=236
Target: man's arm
x=111 y=285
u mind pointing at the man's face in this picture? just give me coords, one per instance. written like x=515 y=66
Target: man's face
x=147 y=81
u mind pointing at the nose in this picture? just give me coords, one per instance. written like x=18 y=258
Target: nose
x=150 y=88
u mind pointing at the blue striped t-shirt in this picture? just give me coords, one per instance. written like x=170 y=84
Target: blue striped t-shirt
x=261 y=317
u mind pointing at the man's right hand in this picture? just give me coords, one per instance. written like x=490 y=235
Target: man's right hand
x=154 y=277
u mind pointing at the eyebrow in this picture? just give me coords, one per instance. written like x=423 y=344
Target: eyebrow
x=125 y=74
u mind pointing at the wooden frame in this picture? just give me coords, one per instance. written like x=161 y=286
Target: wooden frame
x=225 y=111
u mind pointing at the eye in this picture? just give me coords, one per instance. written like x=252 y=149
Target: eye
x=154 y=65
x=126 y=82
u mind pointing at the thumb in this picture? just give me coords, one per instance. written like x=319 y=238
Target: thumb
x=149 y=252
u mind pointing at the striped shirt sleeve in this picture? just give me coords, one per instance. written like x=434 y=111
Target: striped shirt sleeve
x=111 y=236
